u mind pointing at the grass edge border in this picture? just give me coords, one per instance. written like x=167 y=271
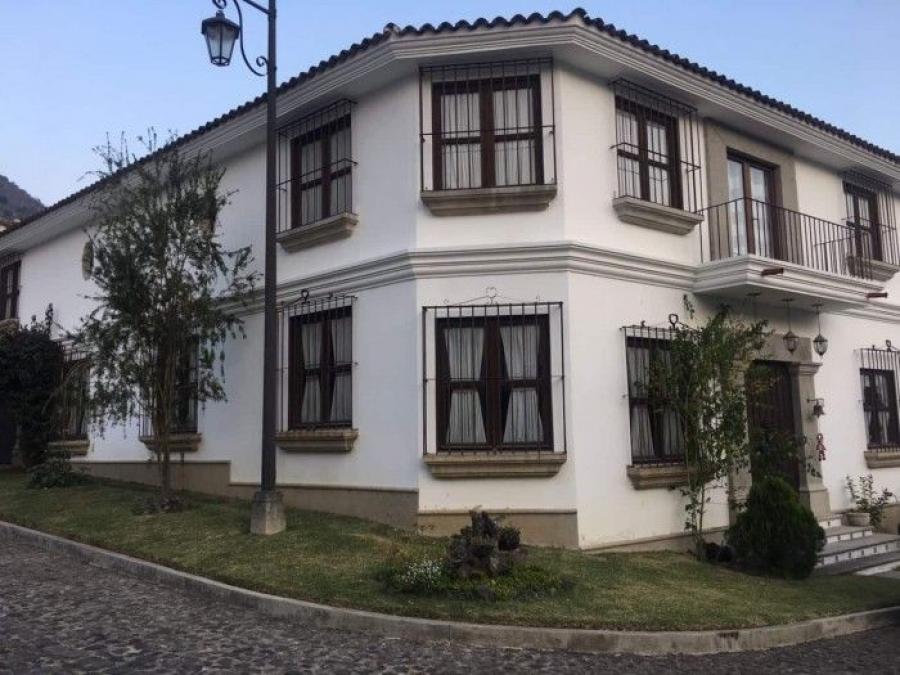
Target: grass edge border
x=482 y=635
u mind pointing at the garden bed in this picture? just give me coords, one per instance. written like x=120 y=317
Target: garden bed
x=336 y=560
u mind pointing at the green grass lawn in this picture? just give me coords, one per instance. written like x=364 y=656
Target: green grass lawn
x=333 y=559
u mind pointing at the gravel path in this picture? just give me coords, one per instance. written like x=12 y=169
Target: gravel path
x=58 y=614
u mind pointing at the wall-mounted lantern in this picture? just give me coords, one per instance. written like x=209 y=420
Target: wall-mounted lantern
x=791 y=341
x=820 y=342
x=818 y=406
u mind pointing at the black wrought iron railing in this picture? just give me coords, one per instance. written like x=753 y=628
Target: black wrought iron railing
x=315 y=363
x=879 y=374
x=315 y=167
x=486 y=125
x=658 y=148
x=743 y=227
x=494 y=375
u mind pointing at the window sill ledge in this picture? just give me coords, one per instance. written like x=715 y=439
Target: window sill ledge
x=509 y=199
x=76 y=448
x=882 y=459
x=319 y=232
x=317 y=440
x=648 y=477
x=177 y=442
x=655 y=216
x=8 y=325
x=495 y=465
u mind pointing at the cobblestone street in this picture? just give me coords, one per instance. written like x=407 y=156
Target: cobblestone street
x=61 y=615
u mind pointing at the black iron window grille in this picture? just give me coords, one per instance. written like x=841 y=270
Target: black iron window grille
x=183 y=417
x=656 y=431
x=72 y=399
x=878 y=379
x=9 y=290
x=316 y=363
x=870 y=218
x=657 y=148
x=315 y=167
x=492 y=376
x=486 y=125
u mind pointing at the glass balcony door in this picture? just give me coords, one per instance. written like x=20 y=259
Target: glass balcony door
x=750 y=218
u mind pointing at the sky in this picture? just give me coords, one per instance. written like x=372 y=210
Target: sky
x=72 y=71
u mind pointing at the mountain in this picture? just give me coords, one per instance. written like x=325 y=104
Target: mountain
x=15 y=203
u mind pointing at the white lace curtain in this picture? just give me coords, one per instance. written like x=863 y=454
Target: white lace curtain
x=643 y=442
x=465 y=351
x=311 y=342
x=521 y=346
x=341 y=397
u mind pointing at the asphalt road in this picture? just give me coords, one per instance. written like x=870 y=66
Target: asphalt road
x=61 y=615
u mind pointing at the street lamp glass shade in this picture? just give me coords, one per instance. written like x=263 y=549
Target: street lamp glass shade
x=820 y=344
x=220 y=34
x=791 y=341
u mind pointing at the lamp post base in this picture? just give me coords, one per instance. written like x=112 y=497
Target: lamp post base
x=267 y=513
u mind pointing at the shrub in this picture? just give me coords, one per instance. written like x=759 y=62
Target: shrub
x=54 y=472
x=775 y=534
x=483 y=549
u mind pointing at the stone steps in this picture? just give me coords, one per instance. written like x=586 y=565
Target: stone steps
x=847 y=533
x=873 y=564
x=860 y=547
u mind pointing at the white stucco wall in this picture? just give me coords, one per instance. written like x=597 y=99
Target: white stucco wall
x=599 y=299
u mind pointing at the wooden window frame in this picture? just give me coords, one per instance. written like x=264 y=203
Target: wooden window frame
x=9 y=300
x=644 y=114
x=487 y=137
x=656 y=416
x=857 y=193
x=771 y=173
x=330 y=169
x=493 y=384
x=327 y=370
x=892 y=433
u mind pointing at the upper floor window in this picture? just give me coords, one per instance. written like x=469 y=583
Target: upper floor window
x=320 y=363
x=870 y=217
x=656 y=432
x=315 y=167
x=487 y=125
x=657 y=148
x=9 y=290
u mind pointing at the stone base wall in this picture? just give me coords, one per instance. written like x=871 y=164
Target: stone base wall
x=540 y=528
x=390 y=506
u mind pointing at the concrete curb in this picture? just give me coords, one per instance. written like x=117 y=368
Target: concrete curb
x=408 y=628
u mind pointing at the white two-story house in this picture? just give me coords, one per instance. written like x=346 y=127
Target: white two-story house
x=483 y=231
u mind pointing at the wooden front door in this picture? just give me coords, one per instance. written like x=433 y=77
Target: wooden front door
x=772 y=422
x=7 y=436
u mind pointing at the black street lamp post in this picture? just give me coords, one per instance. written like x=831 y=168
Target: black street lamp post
x=221 y=34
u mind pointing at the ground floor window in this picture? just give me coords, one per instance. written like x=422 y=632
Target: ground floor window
x=72 y=394
x=656 y=432
x=493 y=384
x=319 y=363
x=880 y=407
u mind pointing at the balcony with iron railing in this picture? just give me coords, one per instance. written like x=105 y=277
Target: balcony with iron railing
x=750 y=246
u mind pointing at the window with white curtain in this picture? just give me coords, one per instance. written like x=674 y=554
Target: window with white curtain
x=487 y=132
x=656 y=433
x=493 y=383
x=647 y=154
x=320 y=369
x=321 y=168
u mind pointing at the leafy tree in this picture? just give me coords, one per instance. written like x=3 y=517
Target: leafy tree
x=165 y=284
x=702 y=380
x=29 y=376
